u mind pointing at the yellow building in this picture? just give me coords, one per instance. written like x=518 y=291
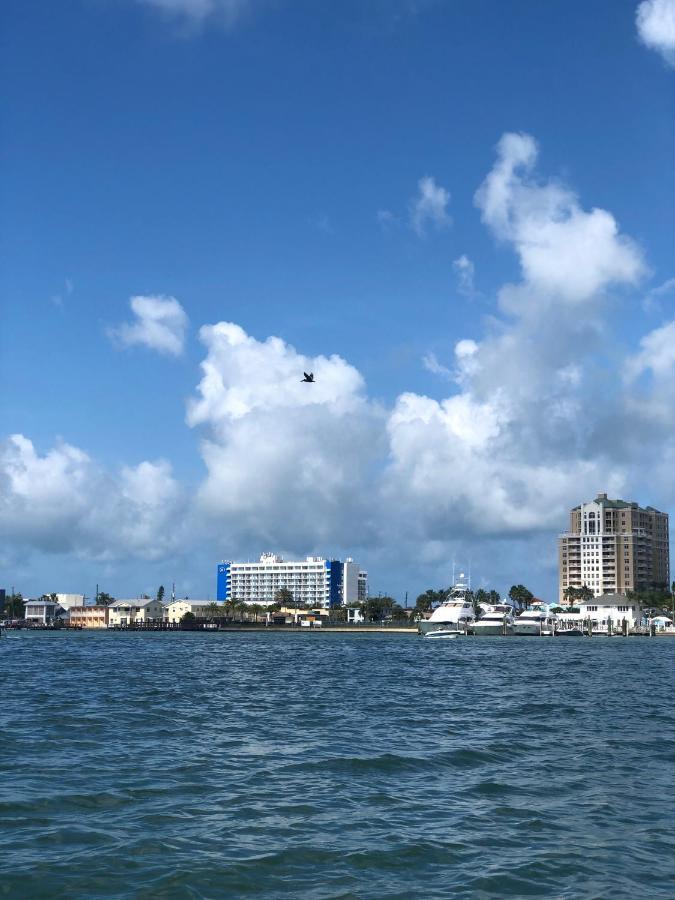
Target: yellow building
x=89 y=616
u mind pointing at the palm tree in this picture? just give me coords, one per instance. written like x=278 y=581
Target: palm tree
x=256 y=609
x=520 y=596
x=213 y=609
x=571 y=594
x=585 y=594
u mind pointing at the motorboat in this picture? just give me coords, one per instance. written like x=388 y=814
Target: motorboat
x=498 y=620
x=455 y=613
x=572 y=631
x=536 y=622
x=441 y=633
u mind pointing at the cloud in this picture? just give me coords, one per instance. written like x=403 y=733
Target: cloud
x=286 y=461
x=657 y=354
x=160 y=324
x=431 y=364
x=63 y=502
x=533 y=417
x=386 y=218
x=460 y=467
x=67 y=290
x=653 y=298
x=429 y=206
x=228 y=13
x=656 y=27
x=567 y=254
x=465 y=271
x=514 y=446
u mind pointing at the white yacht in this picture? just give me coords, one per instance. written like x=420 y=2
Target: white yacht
x=538 y=622
x=498 y=620
x=455 y=613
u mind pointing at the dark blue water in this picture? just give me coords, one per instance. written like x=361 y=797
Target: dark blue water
x=323 y=766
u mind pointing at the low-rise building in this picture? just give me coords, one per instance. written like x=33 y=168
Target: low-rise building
x=88 y=616
x=122 y=613
x=68 y=601
x=610 y=609
x=201 y=609
x=41 y=612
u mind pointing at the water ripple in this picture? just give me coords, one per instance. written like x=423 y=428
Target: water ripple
x=335 y=766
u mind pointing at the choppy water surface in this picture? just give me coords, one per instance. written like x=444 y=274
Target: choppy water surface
x=318 y=765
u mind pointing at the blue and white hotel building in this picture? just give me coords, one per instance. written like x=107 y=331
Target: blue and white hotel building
x=314 y=581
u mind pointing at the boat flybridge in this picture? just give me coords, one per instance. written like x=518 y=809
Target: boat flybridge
x=497 y=620
x=454 y=614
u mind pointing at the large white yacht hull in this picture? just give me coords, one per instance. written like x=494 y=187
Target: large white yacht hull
x=527 y=630
x=492 y=628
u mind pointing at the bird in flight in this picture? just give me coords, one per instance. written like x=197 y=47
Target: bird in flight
x=308 y=378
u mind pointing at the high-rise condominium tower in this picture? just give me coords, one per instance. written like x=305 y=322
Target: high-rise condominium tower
x=614 y=546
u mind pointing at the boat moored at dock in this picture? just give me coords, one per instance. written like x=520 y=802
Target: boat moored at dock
x=498 y=620
x=455 y=613
x=535 y=623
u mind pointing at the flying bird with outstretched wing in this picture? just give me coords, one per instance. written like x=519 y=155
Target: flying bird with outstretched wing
x=309 y=379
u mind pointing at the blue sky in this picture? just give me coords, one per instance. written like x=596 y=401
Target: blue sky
x=261 y=163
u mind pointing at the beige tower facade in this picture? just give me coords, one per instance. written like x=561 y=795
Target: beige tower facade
x=614 y=546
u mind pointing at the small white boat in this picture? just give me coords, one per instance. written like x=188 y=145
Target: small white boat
x=441 y=633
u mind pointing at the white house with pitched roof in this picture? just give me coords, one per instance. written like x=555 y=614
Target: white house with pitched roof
x=122 y=613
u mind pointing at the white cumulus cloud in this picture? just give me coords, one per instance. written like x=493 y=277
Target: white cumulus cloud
x=160 y=323
x=657 y=354
x=429 y=207
x=63 y=502
x=286 y=460
x=534 y=416
x=567 y=254
x=656 y=27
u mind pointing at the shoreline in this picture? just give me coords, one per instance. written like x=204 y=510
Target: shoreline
x=281 y=629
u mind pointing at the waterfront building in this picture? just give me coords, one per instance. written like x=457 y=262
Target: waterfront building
x=177 y=609
x=314 y=581
x=68 y=601
x=363 y=586
x=88 y=616
x=612 y=608
x=613 y=546
x=122 y=613
x=41 y=612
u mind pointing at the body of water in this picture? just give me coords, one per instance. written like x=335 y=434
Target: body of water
x=207 y=765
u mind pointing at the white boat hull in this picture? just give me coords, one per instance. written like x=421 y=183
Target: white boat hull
x=527 y=630
x=495 y=628
x=426 y=625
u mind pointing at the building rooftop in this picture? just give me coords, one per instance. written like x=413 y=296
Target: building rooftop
x=604 y=501
x=192 y=602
